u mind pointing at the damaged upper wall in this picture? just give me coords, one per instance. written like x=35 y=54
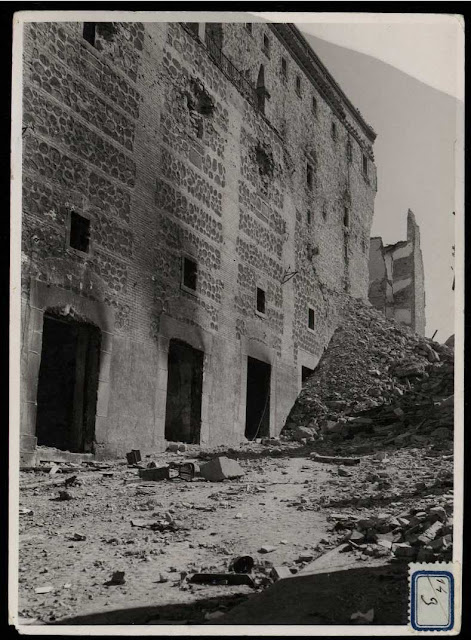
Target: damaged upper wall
x=397 y=278
x=220 y=187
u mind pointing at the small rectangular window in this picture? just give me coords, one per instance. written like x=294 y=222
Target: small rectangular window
x=349 y=151
x=365 y=165
x=346 y=217
x=298 y=85
x=309 y=175
x=309 y=217
x=284 y=68
x=266 y=46
x=89 y=30
x=260 y=300
x=248 y=26
x=333 y=131
x=190 y=273
x=79 y=232
x=310 y=319
x=314 y=106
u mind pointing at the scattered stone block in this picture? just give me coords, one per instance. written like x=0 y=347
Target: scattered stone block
x=45 y=589
x=177 y=447
x=384 y=542
x=439 y=513
x=357 y=537
x=133 y=457
x=155 y=474
x=403 y=550
x=279 y=573
x=301 y=433
x=117 y=578
x=220 y=469
x=431 y=533
x=344 y=473
x=267 y=549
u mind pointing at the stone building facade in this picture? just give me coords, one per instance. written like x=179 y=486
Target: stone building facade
x=196 y=197
x=397 y=278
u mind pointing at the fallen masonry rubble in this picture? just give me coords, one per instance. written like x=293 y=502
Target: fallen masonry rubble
x=376 y=384
x=365 y=459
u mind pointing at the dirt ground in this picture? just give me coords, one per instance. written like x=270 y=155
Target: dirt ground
x=285 y=499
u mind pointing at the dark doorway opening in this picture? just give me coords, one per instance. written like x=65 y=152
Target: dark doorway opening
x=306 y=372
x=68 y=384
x=257 y=413
x=184 y=393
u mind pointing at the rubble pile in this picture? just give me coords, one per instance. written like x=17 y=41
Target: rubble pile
x=423 y=535
x=379 y=380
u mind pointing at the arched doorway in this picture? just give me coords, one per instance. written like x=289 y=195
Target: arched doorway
x=68 y=384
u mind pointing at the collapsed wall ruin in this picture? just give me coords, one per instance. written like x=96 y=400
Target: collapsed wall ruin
x=194 y=198
x=397 y=278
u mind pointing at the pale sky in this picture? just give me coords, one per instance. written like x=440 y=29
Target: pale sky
x=417 y=130
x=425 y=46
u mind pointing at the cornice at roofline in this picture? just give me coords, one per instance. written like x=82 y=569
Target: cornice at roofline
x=320 y=77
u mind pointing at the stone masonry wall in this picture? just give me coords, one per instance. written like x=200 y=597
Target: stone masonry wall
x=147 y=136
x=397 y=278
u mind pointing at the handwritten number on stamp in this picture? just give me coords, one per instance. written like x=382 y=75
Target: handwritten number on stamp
x=440 y=589
x=432 y=600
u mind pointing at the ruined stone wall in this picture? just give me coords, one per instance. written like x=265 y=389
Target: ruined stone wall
x=149 y=138
x=397 y=278
x=326 y=256
x=418 y=313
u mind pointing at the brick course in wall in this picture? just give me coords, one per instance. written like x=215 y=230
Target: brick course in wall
x=156 y=138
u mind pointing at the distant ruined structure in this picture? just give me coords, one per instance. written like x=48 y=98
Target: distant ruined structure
x=195 y=198
x=397 y=278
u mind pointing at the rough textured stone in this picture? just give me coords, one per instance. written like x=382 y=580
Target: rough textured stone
x=169 y=155
x=397 y=280
x=221 y=468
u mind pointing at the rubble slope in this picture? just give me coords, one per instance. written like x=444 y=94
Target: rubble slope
x=377 y=379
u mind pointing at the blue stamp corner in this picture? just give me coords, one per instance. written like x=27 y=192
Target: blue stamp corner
x=432 y=600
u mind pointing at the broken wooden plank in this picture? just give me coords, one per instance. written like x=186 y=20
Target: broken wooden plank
x=334 y=459
x=222 y=578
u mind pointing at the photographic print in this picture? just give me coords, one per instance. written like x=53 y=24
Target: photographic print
x=236 y=298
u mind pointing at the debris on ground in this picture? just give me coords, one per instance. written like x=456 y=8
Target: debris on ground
x=222 y=579
x=365 y=459
x=336 y=459
x=221 y=468
x=244 y=564
x=45 y=589
x=377 y=383
x=65 y=495
x=133 y=457
x=279 y=573
x=117 y=578
x=155 y=474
